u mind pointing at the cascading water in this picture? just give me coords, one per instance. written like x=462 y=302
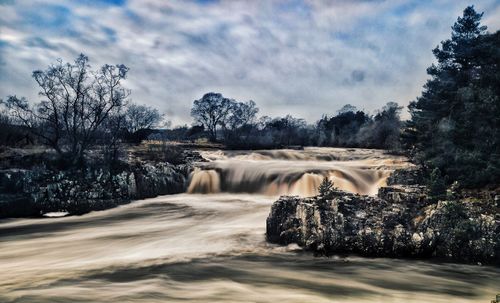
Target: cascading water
x=204 y=181
x=293 y=172
x=212 y=248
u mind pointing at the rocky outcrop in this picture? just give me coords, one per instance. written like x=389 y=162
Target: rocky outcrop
x=399 y=222
x=151 y=180
x=28 y=193
x=409 y=176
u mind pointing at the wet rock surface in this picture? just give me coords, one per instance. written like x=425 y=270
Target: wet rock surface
x=399 y=222
x=34 y=192
x=409 y=176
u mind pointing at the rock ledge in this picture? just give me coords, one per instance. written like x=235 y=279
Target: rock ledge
x=399 y=222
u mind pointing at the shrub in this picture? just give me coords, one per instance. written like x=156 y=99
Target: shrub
x=326 y=190
x=326 y=187
x=436 y=185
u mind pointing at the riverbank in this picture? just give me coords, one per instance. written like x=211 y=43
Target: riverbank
x=401 y=221
x=32 y=184
x=36 y=190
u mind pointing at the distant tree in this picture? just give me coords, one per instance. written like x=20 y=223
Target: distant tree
x=179 y=133
x=138 y=122
x=341 y=130
x=4 y=116
x=348 y=108
x=386 y=127
x=12 y=134
x=241 y=124
x=212 y=111
x=139 y=117
x=242 y=113
x=77 y=105
x=455 y=123
x=286 y=130
x=195 y=130
x=263 y=122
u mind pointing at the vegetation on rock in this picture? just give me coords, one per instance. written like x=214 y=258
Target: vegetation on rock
x=400 y=222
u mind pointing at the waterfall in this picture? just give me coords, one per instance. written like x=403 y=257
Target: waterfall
x=204 y=182
x=290 y=172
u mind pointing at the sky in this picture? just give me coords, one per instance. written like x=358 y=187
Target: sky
x=301 y=57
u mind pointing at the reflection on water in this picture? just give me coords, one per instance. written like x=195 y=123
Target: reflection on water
x=206 y=248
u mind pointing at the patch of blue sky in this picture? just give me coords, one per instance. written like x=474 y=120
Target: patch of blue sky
x=4 y=43
x=404 y=8
x=110 y=33
x=132 y=16
x=206 y=1
x=48 y=17
x=298 y=7
x=105 y=2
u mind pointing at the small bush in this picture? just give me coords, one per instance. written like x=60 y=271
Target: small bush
x=326 y=187
x=436 y=185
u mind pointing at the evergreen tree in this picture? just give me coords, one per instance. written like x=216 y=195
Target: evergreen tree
x=325 y=188
x=454 y=124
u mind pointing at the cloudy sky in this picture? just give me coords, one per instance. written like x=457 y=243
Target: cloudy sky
x=301 y=57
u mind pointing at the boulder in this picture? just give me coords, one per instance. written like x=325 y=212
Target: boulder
x=399 y=222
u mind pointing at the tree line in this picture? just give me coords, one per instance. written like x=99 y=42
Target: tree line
x=84 y=109
x=237 y=126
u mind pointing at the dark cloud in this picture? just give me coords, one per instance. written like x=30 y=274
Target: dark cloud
x=357 y=76
x=297 y=56
x=35 y=42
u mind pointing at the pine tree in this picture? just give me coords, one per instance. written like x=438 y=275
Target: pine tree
x=325 y=188
x=455 y=122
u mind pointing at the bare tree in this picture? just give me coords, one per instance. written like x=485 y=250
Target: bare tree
x=242 y=113
x=77 y=104
x=139 y=117
x=212 y=110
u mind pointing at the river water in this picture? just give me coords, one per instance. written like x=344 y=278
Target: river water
x=211 y=247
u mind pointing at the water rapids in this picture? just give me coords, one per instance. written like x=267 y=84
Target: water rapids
x=211 y=247
x=293 y=172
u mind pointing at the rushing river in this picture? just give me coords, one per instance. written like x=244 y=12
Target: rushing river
x=211 y=247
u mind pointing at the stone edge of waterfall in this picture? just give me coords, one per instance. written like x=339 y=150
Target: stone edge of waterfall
x=36 y=192
x=401 y=222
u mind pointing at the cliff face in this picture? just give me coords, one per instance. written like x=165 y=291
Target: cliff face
x=399 y=222
x=27 y=193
